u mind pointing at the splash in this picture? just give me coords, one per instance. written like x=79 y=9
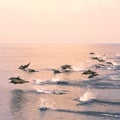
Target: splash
x=49 y=90
x=55 y=79
x=44 y=104
x=42 y=89
x=37 y=81
x=37 y=89
x=87 y=96
x=115 y=63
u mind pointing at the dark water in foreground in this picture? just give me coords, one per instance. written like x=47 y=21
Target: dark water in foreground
x=80 y=98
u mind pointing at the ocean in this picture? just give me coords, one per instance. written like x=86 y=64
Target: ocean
x=68 y=95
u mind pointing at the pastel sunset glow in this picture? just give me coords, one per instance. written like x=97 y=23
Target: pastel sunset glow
x=60 y=21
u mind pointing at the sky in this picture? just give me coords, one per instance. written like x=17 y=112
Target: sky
x=59 y=21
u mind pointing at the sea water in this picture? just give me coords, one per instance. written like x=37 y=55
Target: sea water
x=76 y=98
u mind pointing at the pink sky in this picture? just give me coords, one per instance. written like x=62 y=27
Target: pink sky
x=45 y=21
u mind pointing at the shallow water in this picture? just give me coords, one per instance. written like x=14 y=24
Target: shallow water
x=75 y=97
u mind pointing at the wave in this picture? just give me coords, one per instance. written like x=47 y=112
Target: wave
x=56 y=81
x=104 y=85
x=114 y=67
x=89 y=98
x=96 y=101
x=88 y=113
x=91 y=113
x=117 y=67
x=100 y=85
x=45 y=91
x=95 y=83
x=115 y=77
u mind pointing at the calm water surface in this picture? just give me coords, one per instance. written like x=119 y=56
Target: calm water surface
x=83 y=98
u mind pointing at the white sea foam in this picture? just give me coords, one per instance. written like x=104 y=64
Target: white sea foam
x=55 y=79
x=42 y=90
x=39 y=89
x=87 y=96
x=37 y=81
x=101 y=56
x=114 y=66
x=46 y=90
x=44 y=103
x=115 y=63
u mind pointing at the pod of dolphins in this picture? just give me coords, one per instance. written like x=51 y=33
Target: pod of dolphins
x=63 y=69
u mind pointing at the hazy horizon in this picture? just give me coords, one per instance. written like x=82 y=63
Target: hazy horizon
x=59 y=21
